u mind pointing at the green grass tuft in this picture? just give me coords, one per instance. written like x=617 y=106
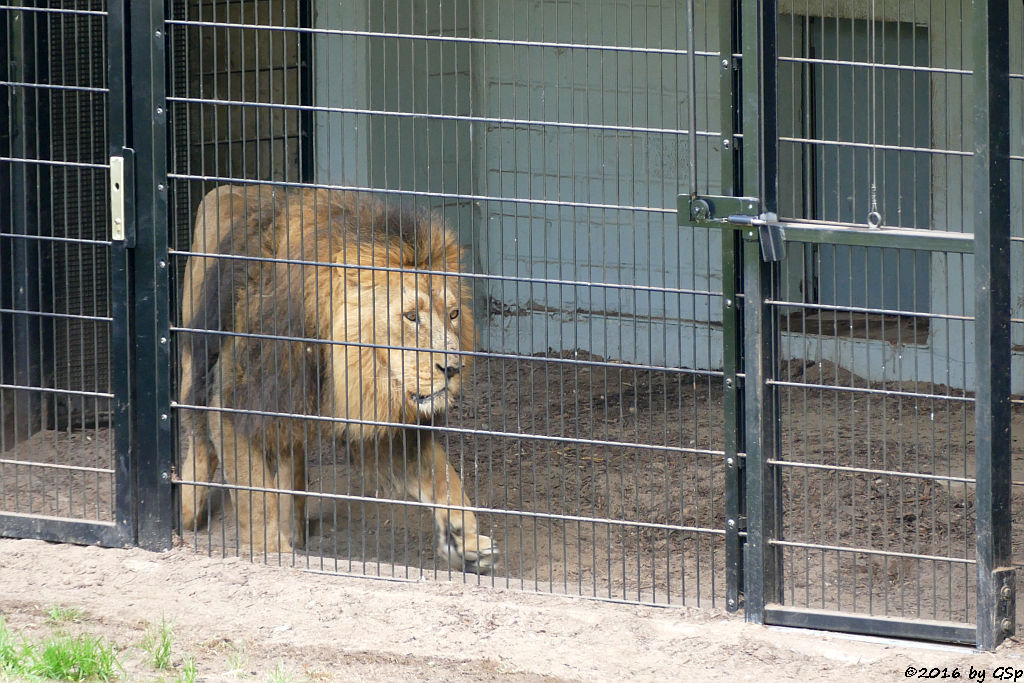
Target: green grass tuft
x=188 y=671
x=157 y=643
x=74 y=658
x=62 y=657
x=64 y=615
x=280 y=674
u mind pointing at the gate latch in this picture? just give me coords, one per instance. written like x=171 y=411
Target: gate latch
x=736 y=213
x=121 y=226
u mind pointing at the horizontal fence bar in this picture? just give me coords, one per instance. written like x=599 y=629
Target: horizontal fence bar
x=668 y=211
x=654 y=289
x=55 y=86
x=61 y=529
x=55 y=466
x=451 y=430
x=454 y=507
x=883 y=238
x=887 y=627
x=847 y=144
x=868 y=470
x=868 y=390
x=865 y=310
x=472 y=354
x=56 y=10
x=870 y=551
x=57 y=162
x=438 y=38
x=61 y=392
x=61 y=240
x=540 y=123
x=58 y=316
x=879 y=66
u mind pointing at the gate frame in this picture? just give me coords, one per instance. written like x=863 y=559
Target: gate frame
x=763 y=243
x=148 y=137
x=120 y=532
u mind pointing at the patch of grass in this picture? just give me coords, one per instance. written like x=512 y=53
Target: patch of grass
x=10 y=654
x=75 y=658
x=157 y=643
x=61 y=657
x=237 y=664
x=64 y=615
x=280 y=674
x=188 y=671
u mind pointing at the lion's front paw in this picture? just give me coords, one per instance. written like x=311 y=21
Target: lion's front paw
x=473 y=553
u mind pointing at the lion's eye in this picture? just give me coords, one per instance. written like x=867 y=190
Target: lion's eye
x=412 y=316
x=454 y=314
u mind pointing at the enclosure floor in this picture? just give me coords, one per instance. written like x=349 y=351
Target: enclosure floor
x=592 y=556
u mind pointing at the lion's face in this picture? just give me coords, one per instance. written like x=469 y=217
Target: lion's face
x=427 y=323
x=403 y=361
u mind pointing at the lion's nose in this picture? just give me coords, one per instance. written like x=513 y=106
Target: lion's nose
x=449 y=371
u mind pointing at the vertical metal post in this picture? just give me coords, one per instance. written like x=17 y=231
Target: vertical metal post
x=307 y=153
x=153 y=436
x=762 y=561
x=732 y=328
x=122 y=332
x=996 y=578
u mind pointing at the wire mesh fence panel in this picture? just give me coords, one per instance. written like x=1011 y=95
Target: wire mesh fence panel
x=548 y=141
x=877 y=454
x=877 y=336
x=57 y=445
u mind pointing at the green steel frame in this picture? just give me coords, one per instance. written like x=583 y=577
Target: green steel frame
x=753 y=240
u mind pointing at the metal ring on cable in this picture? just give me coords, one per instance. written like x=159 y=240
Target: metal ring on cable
x=874 y=220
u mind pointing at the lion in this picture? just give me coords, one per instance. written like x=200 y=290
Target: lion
x=333 y=318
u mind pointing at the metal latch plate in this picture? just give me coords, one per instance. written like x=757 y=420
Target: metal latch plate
x=709 y=211
x=117 y=192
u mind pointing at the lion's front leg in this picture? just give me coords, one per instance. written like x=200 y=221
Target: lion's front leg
x=432 y=479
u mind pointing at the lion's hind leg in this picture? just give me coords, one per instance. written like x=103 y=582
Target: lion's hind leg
x=198 y=459
x=264 y=518
x=198 y=464
x=431 y=479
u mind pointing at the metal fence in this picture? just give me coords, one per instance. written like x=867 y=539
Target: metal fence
x=585 y=435
x=724 y=261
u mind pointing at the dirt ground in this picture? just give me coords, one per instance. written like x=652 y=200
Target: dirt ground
x=244 y=621
x=603 y=481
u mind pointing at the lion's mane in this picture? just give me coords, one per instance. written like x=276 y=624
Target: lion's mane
x=316 y=258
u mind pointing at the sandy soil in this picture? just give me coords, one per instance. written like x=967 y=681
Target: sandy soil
x=246 y=621
x=634 y=456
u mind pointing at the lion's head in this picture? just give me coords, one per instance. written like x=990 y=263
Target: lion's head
x=362 y=315
x=401 y=320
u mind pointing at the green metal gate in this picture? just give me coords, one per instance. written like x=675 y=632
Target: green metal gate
x=811 y=440
x=84 y=441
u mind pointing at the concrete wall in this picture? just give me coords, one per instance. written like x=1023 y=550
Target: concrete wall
x=560 y=165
